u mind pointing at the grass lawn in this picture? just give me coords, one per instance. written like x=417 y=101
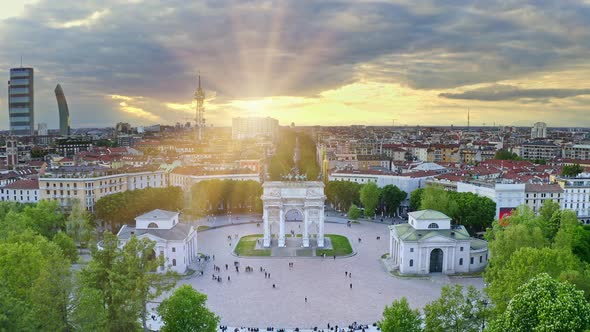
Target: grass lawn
x=247 y=244
x=340 y=244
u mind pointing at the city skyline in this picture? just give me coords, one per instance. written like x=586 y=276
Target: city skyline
x=366 y=62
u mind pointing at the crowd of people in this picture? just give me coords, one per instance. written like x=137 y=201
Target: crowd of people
x=354 y=327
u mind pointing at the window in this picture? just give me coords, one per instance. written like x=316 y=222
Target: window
x=461 y=249
x=154 y=225
x=480 y=259
x=460 y=261
x=411 y=262
x=471 y=260
x=173 y=249
x=411 y=249
x=433 y=225
x=174 y=262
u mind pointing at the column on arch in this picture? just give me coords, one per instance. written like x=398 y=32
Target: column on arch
x=266 y=225
x=282 y=227
x=305 y=227
x=321 y=227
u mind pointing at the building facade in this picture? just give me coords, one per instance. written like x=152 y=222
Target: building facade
x=540 y=150
x=251 y=127
x=21 y=101
x=175 y=241
x=21 y=191
x=507 y=196
x=429 y=244
x=537 y=194
x=577 y=151
x=576 y=196
x=88 y=186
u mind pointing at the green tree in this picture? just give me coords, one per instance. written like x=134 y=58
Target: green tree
x=572 y=170
x=392 y=197
x=342 y=194
x=528 y=262
x=121 y=208
x=416 y=199
x=370 y=198
x=79 y=224
x=549 y=218
x=354 y=212
x=67 y=245
x=545 y=304
x=185 y=310
x=88 y=310
x=34 y=284
x=506 y=155
x=475 y=212
x=125 y=280
x=455 y=310
x=400 y=318
x=438 y=199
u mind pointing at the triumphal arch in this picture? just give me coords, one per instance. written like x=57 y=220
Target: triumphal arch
x=306 y=198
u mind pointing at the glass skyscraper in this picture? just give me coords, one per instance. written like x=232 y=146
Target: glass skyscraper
x=64 y=112
x=21 y=102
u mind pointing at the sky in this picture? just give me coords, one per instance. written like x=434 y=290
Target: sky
x=311 y=62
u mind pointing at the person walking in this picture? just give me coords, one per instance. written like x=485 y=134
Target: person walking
x=306 y=299
x=350 y=285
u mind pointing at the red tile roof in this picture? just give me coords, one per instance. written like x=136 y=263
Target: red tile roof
x=23 y=184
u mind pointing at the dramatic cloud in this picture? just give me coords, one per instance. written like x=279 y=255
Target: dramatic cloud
x=499 y=92
x=275 y=57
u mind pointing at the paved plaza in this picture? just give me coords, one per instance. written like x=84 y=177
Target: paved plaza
x=249 y=299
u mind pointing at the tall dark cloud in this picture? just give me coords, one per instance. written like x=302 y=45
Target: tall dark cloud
x=499 y=92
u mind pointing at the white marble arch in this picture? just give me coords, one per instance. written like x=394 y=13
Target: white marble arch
x=280 y=197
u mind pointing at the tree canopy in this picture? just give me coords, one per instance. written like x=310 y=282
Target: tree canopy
x=369 y=196
x=342 y=194
x=572 y=170
x=474 y=212
x=526 y=245
x=354 y=212
x=121 y=208
x=119 y=282
x=545 y=304
x=506 y=155
x=455 y=310
x=222 y=196
x=185 y=310
x=391 y=198
x=399 y=317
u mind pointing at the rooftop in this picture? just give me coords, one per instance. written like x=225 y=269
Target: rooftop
x=428 y=215
x=408 y=233
x=179 y=232
x=158 y=214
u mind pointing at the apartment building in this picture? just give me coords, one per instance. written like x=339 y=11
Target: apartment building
x=537 y=194
x=537 y=150
x=576 y=196
x=88 y=184
x=577 y=151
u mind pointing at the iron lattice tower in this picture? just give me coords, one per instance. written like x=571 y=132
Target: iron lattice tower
x=200 y=112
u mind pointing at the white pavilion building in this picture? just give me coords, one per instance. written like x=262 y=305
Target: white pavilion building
x=176 y=241
x=429 y=244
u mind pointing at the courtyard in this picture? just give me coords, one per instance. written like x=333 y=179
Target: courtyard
x=249 y=298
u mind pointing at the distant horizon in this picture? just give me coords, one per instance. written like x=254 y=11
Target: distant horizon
x=304 y=62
